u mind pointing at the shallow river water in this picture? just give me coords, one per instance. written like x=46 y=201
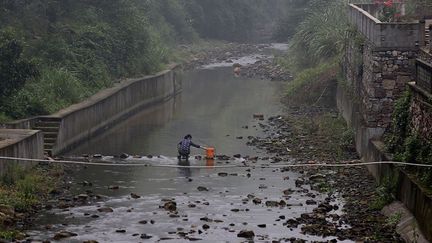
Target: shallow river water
x=214 y=107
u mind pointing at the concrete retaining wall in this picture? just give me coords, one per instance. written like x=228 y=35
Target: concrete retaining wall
x=371 y=148
x=388 y=35
x=21 y=144
x=96 y=114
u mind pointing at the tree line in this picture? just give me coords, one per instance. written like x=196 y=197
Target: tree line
x=56 y=52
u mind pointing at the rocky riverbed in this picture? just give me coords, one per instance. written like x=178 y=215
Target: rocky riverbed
x=260 y=199
x=231 y=54
x=287 y=139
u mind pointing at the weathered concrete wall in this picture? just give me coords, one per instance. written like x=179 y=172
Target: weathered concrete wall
x=20 y=144
x=387 y=35
x=21 y=124
x=81 y=121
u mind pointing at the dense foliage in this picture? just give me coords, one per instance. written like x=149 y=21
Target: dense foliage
x=406 y=144
x=61 y=51
x=322 y=35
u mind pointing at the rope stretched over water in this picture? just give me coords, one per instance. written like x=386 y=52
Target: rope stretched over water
x=243 y=165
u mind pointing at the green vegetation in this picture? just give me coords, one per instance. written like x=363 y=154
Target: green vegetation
x=321 y=36
x=24 y=189
x=54 y=53
x=394 y=219
x=21 y=192
x=308 y=86
x=406 y=144
x=386 y=192
x=316 y=49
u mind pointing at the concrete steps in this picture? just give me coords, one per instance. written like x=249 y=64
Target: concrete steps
x=50 y=127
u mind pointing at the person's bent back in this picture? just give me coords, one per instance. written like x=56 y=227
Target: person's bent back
x=184 y=147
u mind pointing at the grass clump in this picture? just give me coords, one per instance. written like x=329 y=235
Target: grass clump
x=385 y=192
x=24 y=189
x=309 y=85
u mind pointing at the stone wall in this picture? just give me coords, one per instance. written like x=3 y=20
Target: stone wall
x=421 y=112
x=20 y=143
x=386 y=74
x=425 y=55
x=378 y=78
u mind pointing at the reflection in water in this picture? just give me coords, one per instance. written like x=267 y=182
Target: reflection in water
x=128 y=135
x=210 y=162
x=212 y=107
x=184 y=171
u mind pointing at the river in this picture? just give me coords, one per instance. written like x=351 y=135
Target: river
x=217 y=109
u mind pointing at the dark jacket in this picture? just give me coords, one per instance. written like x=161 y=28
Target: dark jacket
x=184 y=146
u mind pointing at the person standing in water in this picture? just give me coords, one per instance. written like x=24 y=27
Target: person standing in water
x=184 y=147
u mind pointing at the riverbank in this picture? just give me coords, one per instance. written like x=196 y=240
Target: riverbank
x=319 y=135
x=23 y=193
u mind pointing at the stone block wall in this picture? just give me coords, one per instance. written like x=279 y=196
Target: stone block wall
x=378 y=78
x=385 y=76
x=421 y=112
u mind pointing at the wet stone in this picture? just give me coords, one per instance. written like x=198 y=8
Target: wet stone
x=272 y=204
x=82 y=197
x=257 y=201
x=63 y=235
x=206 y=219
x=122 y=231
x=86 y=183
x=105 y=210
x=246 y=234
x=135 y=196
x=170 y=206
x=124 y=156
x=311 y=202
x=223 y=174
x=288 y=191
x=202 y=189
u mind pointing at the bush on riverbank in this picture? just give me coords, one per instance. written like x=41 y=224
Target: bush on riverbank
x=309 y=86
x=316 y=50
x=21 y=192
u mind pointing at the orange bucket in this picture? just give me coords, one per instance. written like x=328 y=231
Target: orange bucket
x=210 y=153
